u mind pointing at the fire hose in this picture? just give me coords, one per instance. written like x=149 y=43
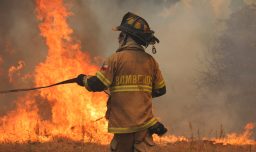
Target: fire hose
x=158 y=128
x=73 y=80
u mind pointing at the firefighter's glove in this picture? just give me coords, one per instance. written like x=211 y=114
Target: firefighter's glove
x=158 y=129
x=80 y=79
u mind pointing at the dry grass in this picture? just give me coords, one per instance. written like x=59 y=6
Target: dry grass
x=203 y=146
x=66 y=145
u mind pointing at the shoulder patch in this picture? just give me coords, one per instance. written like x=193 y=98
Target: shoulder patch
x=104 y=67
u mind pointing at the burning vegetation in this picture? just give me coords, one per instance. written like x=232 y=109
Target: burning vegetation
x=74 y=111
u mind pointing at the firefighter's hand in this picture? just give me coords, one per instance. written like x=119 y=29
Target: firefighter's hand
x=158 y=129
x=80 y=79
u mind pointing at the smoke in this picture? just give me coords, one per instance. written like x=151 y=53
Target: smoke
x=86 y=28
x=189 y=31
x=250 y=2
x=1 y=62
x=221 y=8
x=232 y=71
x=19 y=41
x=192 y=27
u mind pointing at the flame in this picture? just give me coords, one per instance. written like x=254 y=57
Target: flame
x=73 y=109
x=19 y=124
x=170 y=139
x=15 y=71
x=72 y=106
x=244 y=138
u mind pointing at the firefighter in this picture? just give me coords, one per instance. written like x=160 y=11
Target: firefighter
x=133 y=78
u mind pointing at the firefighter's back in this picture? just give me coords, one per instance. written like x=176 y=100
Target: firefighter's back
x=131 y=105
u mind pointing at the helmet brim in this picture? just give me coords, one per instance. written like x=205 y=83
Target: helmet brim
x=131 y=32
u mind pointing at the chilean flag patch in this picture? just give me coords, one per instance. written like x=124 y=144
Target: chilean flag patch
x=104 y=67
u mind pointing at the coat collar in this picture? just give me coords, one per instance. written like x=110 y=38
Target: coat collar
x=130 y=45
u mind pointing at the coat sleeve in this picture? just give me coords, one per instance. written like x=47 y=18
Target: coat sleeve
x=159 y=87
x=94 y=84
x=103 y=78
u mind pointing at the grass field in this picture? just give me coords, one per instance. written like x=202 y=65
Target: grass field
x=66 y=145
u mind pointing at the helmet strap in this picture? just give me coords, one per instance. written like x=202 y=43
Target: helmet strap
x=123 y=40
